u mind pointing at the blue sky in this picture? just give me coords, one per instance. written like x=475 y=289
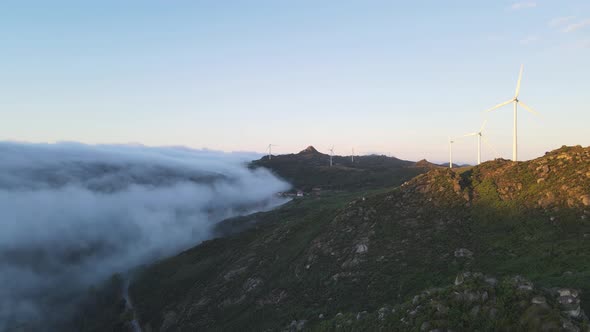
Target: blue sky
x=381 y=76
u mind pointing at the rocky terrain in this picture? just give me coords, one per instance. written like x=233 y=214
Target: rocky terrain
x=500 y=246
x=474 y=302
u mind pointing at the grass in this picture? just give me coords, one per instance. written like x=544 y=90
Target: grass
x=278 y=239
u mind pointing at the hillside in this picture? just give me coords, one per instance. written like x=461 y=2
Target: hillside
x=310 y=169
x=498 y=246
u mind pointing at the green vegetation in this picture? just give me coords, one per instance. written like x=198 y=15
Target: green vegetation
x=269 y=249
x=347 y=259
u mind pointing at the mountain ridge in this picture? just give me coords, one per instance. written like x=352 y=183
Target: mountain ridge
x=310 y=169
x=351 y=254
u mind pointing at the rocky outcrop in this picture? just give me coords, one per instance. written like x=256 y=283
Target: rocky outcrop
x=309 y=150
x=510 y=304
x=463 y=253
x=426 y=164
x=569 y=302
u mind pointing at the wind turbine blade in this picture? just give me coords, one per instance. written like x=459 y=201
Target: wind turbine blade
x=489 y=145
x=519 y=80
x=483 y=125
x=500 y=105
x=526 y=107
x=470 y=134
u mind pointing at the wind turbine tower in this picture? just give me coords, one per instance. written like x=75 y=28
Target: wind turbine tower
x=451 y=152
x=270 y=151
x=352 y=156
x=516 y=102
x=331 y=155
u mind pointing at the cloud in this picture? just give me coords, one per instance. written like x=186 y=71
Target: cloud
x=576 y=26
x=523 y=5
x=71 y=215
x=529 y=40
x=560 y=21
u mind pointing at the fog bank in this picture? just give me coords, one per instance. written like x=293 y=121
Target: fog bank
x=73 y=214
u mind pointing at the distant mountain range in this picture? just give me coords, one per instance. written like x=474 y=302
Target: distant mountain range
x=310 y=168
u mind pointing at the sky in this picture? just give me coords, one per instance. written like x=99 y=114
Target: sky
x=391 y=77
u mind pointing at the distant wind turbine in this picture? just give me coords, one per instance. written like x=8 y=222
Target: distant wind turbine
x=270 y=150
x=331 y=154
x=352 y=155
x=451 y=141
x=480 y=137
x=516 y=101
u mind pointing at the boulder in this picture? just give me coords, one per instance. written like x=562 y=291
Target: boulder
x=522 y=283
x=526 y=286
x=491 y=281
x=382 y=313
x=297 y=325
x=251 y=284
x=567 y=292
x=425 y=326
x=361 y=315
x=361 y=248
x=463 y=253
x=459 y=279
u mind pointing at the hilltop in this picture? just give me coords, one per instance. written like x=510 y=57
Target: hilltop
x=496 y=246
x=310 y=168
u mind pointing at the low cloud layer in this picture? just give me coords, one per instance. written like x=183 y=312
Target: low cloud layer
x=523 y=5
x=72 y=215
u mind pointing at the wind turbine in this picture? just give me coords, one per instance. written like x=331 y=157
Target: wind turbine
x=480 y=136
x=270 y=150
x=331 y=154
x=516 y=101
x=451 y=152
x=352 y=156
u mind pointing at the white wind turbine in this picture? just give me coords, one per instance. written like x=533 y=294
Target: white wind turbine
x=451 y=141
x=516 y=101
x=480 y=137
x=331 y=154
x=270 y=150
x=352 y=155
